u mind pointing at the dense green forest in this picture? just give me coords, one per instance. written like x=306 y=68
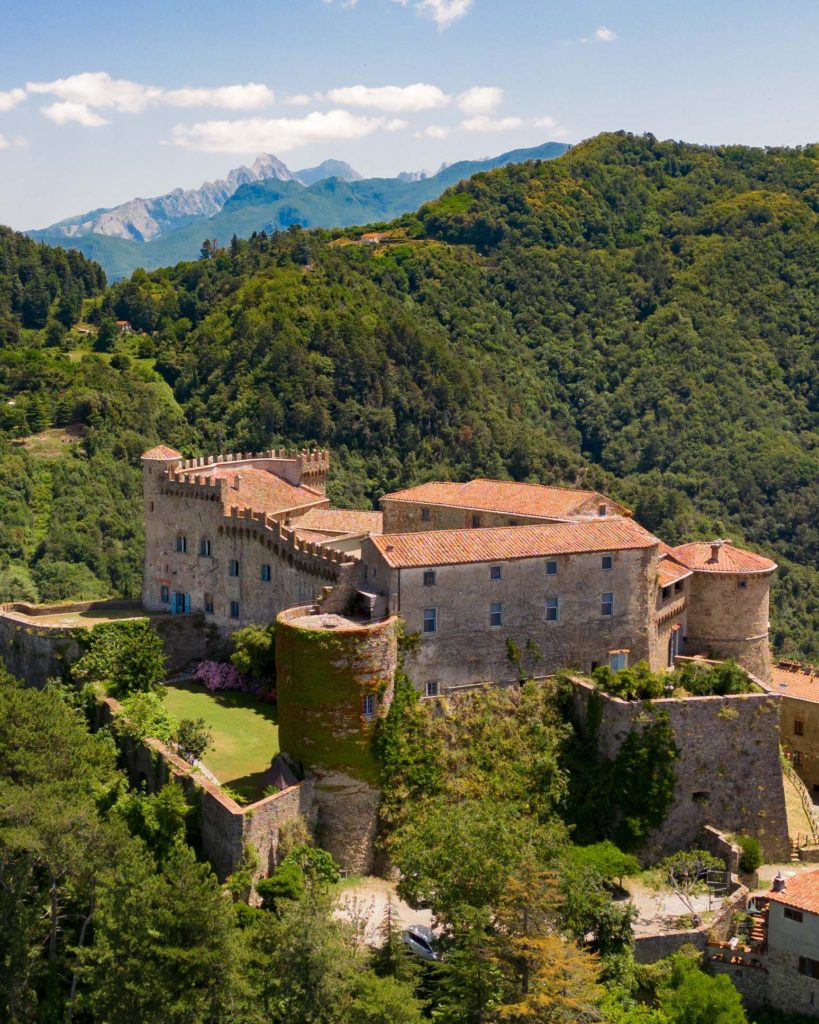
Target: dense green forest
x=637 y=316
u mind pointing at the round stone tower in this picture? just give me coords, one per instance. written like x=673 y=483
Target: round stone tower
x=728 y=611
x=335 y=677
x=154 y=464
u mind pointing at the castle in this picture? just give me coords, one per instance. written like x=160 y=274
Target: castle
x=497 y=578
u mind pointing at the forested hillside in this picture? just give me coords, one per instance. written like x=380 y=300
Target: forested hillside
x=636 y=315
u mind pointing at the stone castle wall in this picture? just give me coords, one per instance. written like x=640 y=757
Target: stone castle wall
x=728 y=773
x=35 y=651
x=226 y=827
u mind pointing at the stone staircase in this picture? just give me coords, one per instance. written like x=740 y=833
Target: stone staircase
x=803 y=821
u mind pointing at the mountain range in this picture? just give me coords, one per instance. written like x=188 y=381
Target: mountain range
x=266 y=196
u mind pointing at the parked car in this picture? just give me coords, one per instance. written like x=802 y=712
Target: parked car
x=420 y=940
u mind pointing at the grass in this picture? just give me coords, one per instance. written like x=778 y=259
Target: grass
x=245 y=733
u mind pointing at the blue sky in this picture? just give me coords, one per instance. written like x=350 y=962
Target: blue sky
x=100 y=102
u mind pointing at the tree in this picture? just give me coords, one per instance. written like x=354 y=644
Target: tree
x=122 y=656
x=193 y=738
x=254 y=652
x=384 y=1000
x=606 y=859
x=684 y=873
x=144 y=715
x=164 y=949
x=696 y=998
x=391 y=957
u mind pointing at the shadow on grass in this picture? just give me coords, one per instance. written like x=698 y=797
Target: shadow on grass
x=232 y=699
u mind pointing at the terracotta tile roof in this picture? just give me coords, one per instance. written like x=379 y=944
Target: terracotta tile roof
x=260 y=490
x=340 y=521
x=499 y=543
x=162 y=451
x=670 y=572
x=792 y=680
x=508 y=497
x=801 y=891
x=699 y=556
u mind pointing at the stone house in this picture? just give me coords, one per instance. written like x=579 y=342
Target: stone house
x=798 y=690
x=792 y=956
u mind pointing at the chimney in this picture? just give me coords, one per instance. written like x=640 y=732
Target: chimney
x=715 y=549
x=778 y=883
x=237 y=480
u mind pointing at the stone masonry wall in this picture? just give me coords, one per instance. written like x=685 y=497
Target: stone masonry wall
x=226 y=827
x=728 y=773
x=467 y=649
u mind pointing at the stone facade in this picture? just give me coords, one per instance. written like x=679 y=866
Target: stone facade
x=728 y=773
x=467 y=648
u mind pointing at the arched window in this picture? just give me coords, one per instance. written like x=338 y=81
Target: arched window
x=266 y=573
x=181 y=543
x=233 y=568
x=204 y=547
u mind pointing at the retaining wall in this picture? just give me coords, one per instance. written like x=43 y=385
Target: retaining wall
x=728 y=772
x=226 y=827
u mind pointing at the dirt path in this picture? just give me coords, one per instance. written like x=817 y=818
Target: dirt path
x=364 y=903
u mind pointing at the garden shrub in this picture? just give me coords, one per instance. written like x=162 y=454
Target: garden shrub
x=751 y=856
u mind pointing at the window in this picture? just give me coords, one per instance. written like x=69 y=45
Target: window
x=798 y=728
x=796 y=759
x=209 y=604
x=430 y=620
x=607 y=604
x=742 y=584
x=181 y=543
x=368 y=705
x=496 y=614
x=607 y=562
x=678 y=586
x=601 y=510
x=551 y=568
x=552 y=609
x=431 y=688
x=424 y=515
x=666 y=592
x=234 y=609
x=429 y=577
x=618 y=660
x=164 y=595
x=701 y=796
x=495 y=572
x=476 y=522
x=514 y=522
x=266 y=573
x=233 y=569
x=793 y=915
x=375 y=572
x=204 y=547
x=808 y=967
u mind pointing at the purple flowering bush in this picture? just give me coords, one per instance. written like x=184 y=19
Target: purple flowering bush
x=221 y=675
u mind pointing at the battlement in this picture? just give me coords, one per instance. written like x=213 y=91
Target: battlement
x=291 y=465
x=273 y=530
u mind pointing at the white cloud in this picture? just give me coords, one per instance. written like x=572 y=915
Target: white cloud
x=231 y=97
x=444 y=12
x=545 y=122
x=11 y=98
x=601 y=35
x=299 y=99
x=80 y=113
x=345 y=4
x=80 y=96
x=396 y=125
x=480 y=99
x=273 y=135
x=482 y=123
x=392 y=99
x=433 y=131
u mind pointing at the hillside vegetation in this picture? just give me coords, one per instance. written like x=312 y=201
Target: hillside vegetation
x=636 y=316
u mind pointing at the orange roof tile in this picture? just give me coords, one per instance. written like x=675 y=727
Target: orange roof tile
x=700 y=556
x=500 y=543
x=670 y=572
x=506 y=496
x=260 y=490
x=791 y=680
x=162 y=451
x=340 y=521
x=801 y=891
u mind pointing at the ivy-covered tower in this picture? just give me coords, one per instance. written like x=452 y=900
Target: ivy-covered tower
x=335 y=679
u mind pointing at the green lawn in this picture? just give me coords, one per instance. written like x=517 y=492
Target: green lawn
x=245 y=733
